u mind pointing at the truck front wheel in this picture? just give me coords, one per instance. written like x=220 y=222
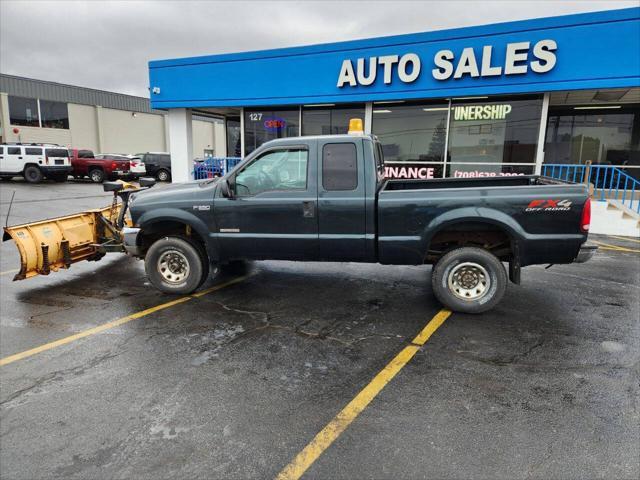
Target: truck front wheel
x=469 y=280
x=176 y=265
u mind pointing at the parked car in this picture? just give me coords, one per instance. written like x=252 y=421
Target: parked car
x=98 y=168
x=326 y=199
x=157 y=165
x=211 y=167
x=137 y=167
x=34 y=161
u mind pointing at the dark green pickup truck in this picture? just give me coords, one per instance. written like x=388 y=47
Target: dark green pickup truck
x=325 y=199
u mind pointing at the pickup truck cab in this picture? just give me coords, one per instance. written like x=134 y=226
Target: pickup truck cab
x=325 y=198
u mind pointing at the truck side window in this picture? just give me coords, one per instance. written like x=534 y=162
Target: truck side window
x=339 y=166
x=13 y=151
x=275 y=170
x=33 y=151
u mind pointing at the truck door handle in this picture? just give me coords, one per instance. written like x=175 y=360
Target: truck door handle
x=308 y=209
x=19 y=158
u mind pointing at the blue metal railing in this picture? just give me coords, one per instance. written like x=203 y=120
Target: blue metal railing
x=609 y=182
x=212 y=167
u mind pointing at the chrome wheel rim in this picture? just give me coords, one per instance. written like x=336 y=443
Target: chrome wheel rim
x=469 y=281
x=95 y=176
x=162 y=176
x=173 y=266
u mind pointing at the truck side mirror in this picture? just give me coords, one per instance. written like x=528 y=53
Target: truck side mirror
x=227 y=190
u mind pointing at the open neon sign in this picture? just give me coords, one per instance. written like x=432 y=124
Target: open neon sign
x=274 y=123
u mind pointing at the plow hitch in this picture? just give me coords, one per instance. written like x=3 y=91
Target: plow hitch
x=56 y=243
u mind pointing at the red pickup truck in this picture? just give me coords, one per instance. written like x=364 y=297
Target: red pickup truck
x=100 y=168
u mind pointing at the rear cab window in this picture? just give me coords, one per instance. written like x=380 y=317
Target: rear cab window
x=85 y=154
x=339 y=167
x=32 y=151
x=57 y=152
x=14 y=151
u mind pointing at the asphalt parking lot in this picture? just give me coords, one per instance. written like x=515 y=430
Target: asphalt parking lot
x=236 y=382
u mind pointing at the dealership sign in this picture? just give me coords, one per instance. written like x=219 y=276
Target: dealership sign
x=519 y=58
x=481 y=112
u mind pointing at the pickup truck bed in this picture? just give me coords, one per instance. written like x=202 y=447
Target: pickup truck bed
x=415 y=217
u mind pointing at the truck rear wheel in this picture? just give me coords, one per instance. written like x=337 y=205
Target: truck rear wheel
x=469 y=280
x=33 y=174
x=163 y=175
x=96 y=175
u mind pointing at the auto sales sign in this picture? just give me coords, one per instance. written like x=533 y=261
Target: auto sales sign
x=519 y=58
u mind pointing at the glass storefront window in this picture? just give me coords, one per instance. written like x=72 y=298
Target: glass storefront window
x=329 y=120
x=23 y=111
x=260 y=126
x=606 y=136
x=233 y=137
x=486 y=135
x=411 y=133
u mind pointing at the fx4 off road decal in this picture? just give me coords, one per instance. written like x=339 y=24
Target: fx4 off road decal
x=548 y=205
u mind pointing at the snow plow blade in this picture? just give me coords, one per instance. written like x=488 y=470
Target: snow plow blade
x=49 y=245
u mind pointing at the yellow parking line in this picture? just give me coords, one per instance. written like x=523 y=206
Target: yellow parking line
x=113 y=323
x=342 y=420
x=7 y=272
x=607 y=246
x=626 y=239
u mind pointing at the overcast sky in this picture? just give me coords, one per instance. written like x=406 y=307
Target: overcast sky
x=107 y=45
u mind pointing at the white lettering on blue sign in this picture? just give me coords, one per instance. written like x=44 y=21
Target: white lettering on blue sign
x=517 y=61
x=407 y=66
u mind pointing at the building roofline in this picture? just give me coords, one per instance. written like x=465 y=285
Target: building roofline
x=557 y=21
x=69 y=85
x=18 y=86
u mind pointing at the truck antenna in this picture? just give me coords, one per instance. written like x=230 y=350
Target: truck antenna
x=6 y=222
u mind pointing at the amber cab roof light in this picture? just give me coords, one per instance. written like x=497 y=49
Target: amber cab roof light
x=355 y=126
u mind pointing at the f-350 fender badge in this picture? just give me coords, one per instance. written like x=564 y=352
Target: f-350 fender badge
x=202 y=208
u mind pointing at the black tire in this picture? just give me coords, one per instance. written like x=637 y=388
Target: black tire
x=469 y=280
x=181 y=253
x=32 y=174
x=214 y=270
x=163 y=175
x=96 y=175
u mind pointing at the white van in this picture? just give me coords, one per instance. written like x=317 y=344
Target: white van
x=34 y=161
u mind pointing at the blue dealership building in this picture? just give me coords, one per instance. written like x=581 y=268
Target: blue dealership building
x=501 y=99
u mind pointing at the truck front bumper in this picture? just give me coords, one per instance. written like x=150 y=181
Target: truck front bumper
x=585 y=253
x=130 y=241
